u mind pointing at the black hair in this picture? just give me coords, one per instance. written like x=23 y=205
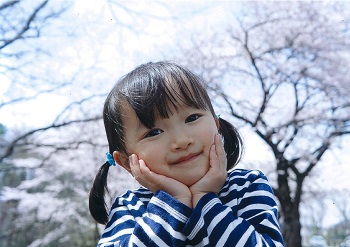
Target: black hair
x=149 y=89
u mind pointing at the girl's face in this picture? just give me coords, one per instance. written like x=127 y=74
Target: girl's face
x=177 y=147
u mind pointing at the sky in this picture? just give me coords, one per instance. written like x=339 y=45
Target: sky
x=163 y=21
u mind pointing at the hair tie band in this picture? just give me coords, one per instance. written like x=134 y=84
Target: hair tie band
x=218 y=115
x=109 y=159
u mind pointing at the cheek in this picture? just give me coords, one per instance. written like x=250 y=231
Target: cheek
x=208 y=135
x=208 y=139
x=153 y=158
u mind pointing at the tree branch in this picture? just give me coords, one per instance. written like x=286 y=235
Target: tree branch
x=26 y=26
x=12 y=145
x=8 y=4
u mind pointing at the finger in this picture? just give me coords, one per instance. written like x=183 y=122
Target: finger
x=220 y=151
x=153 y=180
x=147 y=173
x=219 y=146
x=213 y=157
x=143 y=168
x=216 y=150
x=134 y=165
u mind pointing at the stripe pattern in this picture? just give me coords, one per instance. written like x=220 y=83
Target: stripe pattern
x=244 y=213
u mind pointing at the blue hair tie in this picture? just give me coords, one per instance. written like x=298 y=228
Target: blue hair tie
x=109 y=159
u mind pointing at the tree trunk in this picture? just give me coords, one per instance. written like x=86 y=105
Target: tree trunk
x=291 y=227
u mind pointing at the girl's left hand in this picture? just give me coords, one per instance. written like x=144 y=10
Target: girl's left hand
x=215 y=178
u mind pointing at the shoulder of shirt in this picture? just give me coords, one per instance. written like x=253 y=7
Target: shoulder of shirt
x=140 y=194
x=242 y=179
x=250 y=175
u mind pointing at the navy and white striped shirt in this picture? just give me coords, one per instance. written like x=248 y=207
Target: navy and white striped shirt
x=244 y=213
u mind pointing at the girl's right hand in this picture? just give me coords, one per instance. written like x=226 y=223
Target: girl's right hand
x=155 y=182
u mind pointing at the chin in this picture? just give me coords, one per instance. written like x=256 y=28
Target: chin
x=191 y=181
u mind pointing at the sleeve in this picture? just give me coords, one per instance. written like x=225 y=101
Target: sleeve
x=160 y=223
x=248 y=218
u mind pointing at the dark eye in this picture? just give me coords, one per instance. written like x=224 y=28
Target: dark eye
x=153 y=132
x=192 y=118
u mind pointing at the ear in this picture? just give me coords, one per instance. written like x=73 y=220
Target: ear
x=122 y=160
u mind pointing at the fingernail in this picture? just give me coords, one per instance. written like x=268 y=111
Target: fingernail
x=142 y=163
x=220 y=138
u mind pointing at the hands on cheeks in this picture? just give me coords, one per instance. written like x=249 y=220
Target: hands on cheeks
x=212 y=181
x=155 y=182
x=215 y=178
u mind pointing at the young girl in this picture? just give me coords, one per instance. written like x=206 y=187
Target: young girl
x=162 y=128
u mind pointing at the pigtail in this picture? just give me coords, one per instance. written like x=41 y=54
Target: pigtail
x=97 y=204
x=233 y=143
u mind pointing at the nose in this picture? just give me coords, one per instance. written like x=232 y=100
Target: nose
x=181 y=139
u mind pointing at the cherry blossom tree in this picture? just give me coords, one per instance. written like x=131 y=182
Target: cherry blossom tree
x=278 y=68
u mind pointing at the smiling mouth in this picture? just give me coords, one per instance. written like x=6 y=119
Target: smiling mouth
x=186 y=159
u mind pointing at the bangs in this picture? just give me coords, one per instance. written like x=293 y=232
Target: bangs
x=160 y=90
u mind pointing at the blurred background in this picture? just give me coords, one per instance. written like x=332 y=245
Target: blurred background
x=279 y=71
